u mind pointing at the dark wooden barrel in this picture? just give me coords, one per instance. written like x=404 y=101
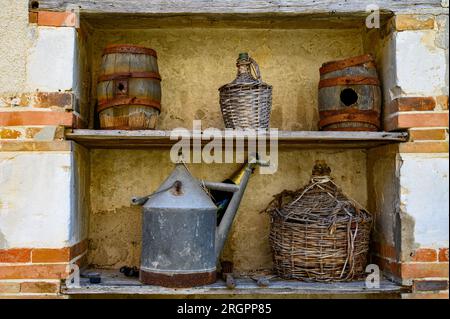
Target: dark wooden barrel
x=349 y=95
x=129 y=88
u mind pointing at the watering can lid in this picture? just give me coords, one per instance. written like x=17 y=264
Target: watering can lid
x=191 y=193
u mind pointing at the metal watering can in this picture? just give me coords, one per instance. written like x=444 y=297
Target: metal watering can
x=181 y=243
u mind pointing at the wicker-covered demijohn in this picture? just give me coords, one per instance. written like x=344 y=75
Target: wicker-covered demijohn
x=246 y=102
x=317 y=233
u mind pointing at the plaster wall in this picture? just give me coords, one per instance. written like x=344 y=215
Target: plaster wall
x=424 y=197
x=117 y=175
x=384 y=199
x=43 y=198
x=195 y=62
x=15 y=39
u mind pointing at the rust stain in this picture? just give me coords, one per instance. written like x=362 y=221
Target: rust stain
x=9 y=134
x=31 y=132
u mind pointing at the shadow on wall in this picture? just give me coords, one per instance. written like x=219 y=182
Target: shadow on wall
x=2 y=240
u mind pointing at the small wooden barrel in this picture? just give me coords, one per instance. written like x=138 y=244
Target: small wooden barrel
x=129 y=88
x=349 y=95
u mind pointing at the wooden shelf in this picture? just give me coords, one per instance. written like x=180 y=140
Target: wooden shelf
x=301 y=139
x=115 y=283
x=325 y=7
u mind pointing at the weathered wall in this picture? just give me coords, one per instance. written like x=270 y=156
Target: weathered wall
x=383 y=187
x=14 y=37
x=43 y=198
x=195 y=62
x=426 y=202
x=117 y=175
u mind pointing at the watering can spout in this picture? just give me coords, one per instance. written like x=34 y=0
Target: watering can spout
x=227 y=220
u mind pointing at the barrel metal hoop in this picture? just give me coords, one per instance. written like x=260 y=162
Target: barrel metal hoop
x=342 y=64
x=349 y=80
x=133 y=49
x=127 y=75
x=370 y=117
x=103 y=105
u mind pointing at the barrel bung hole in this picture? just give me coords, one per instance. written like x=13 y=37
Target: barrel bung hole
x=349 y=97
x=121 y=87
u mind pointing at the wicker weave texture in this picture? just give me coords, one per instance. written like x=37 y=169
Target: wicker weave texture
x=318 y=234
x=246 y=102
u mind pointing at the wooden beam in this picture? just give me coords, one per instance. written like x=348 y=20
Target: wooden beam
x=239 y=6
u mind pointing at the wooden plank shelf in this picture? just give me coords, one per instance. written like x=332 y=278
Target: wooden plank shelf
x=116 y=139
x=325 y=7
x=115 y=283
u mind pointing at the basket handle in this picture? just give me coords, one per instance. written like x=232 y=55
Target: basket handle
x=255 y=69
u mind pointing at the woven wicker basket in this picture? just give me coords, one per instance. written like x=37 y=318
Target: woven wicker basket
x=317 y=233
x=246 y=102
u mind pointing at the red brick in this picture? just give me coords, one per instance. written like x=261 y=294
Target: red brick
x=57 y=19
x=411 y=104
x=405 y=22
x=9 y=287
x=424 y=255
x=9 y=134
x=408 y=120
x=430 y=285
x=33 y=271
x=24 y=296
x=32 y=17
x=36 y=118
x=437 y=295
x=45 y=255
x=52 y=100
x=29 y=146
x=16 y=255
x=424 y=147
x=428 y=134
x=424 y=270
x=39 y=287
x=442 y=102
x=443 y=254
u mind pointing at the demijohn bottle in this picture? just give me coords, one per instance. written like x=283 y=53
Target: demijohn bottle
x=221 y=198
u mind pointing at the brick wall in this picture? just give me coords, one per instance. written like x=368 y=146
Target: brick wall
x=415 y=78
x=41 y=209
x=37 y=272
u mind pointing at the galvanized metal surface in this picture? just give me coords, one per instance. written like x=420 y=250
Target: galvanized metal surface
x=181 y=245
x=178 y=228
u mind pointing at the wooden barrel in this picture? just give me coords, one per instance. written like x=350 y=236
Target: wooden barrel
x=349 y=95
x=129 y=88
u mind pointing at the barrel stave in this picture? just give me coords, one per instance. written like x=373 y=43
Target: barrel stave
x=129 y=74
x=349 y=95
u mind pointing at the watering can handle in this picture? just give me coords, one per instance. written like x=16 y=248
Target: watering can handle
x=262 y=163
x=138 y=201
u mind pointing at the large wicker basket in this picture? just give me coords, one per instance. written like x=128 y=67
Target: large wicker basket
x=317 y=233
x=247 y=101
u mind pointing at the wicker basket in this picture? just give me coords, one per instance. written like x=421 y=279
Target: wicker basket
x=317 y=233
x=247 y=101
